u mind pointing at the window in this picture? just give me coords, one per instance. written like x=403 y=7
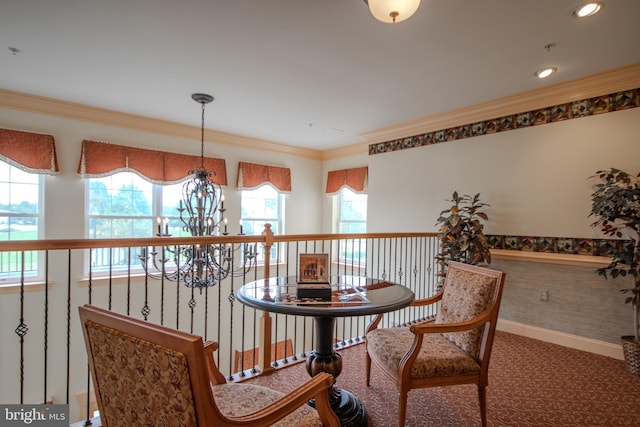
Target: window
x=20 y=219
x=352 y=212
x=124 y=205
x=120 y=205
x=352 y=218
x=258 y=207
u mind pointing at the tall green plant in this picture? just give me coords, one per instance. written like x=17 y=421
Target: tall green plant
x=616 y=206
x=461 y=233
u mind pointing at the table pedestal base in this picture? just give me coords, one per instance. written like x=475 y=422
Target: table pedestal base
x=324 y=358
x=347 y=407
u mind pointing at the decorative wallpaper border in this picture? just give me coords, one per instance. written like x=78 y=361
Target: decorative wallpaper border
x=571 y=110
x=560 y=245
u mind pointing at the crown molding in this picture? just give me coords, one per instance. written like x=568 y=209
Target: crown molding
x=75 y=111
x=346 y=151
x=616 y=80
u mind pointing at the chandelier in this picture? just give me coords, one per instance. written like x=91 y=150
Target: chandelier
x=201 y=212
x=392 y=11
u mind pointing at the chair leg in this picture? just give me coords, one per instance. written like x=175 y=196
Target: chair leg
x=482 y=395
x=402 y=408
x=367 y=368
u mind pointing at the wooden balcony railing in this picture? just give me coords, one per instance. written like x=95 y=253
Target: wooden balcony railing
x=42 y=283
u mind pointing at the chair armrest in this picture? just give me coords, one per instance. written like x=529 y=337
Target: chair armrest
x=215 y=376
x=430 y=327
x=428 y=301
x=416 y=303
x=317 y=388
x=373 y=324
x=210 y=346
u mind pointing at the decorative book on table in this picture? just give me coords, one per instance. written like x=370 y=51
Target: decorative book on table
x=313 y=278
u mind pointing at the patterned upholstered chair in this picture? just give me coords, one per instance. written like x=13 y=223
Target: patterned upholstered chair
x=454 y=348
x=148 y=375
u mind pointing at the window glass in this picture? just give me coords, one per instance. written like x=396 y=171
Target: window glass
x=171 y=195
x=120 y=205
x=125 y=205
x=261 y=206
x=20 y=219
x=352 y=212
x=352 y=218
x=258 y=207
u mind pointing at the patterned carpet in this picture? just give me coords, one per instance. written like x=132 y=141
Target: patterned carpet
x=531 y=384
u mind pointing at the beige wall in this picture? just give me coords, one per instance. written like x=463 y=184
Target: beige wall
x=536 y=181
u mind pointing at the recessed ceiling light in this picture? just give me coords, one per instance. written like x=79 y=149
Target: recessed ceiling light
x=545 y=72
x=587 y=9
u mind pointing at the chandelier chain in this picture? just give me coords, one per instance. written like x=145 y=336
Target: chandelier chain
x=202 y=138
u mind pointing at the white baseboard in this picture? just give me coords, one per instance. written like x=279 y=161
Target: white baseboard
x=573 y=341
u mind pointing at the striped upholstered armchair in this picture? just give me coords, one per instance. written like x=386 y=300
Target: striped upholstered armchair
x=148 y=375
x=454 y=348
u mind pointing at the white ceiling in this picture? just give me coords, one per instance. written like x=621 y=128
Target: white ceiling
x=306 y=73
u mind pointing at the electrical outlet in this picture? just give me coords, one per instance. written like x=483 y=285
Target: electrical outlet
x=544 y=295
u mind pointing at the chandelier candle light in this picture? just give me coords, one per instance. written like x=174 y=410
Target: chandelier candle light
x=201 y=211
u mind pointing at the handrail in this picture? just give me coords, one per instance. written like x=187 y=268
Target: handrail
x=58 y=244
x=297 y=237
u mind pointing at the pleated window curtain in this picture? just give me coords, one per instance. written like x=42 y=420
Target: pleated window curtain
x=30 y=152
x=356 y=179
x=99 y=159
x=252 y=176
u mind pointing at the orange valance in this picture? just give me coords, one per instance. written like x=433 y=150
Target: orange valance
x=100 y=159
x=356 y=179
x=30 y=152
x=251 y=175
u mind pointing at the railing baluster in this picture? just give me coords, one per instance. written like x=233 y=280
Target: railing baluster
x=162 y=284
x=46 y=325
x=178 y=260
x=68 y=372
x=22 y=328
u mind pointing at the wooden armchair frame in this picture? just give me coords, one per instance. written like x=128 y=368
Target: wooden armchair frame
x=203 y=373
x=487 y=318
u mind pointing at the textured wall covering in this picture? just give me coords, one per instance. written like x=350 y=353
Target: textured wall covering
x=580 y=302
x=556 y=113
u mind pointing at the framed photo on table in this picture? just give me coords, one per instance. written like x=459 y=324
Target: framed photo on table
x=314 y=268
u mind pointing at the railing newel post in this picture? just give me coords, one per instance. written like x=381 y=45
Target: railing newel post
x=264 y=354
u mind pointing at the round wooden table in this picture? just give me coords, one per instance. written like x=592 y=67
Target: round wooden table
x=350 y=296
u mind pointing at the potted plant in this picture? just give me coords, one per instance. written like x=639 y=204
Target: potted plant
x=461 y=233
x=616 y=206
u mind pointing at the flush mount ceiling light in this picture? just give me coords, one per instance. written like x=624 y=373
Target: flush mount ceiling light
x=392 y=11
x=587 y=9
x=545 y=72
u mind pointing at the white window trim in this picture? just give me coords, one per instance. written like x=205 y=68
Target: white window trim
x=38 y=277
